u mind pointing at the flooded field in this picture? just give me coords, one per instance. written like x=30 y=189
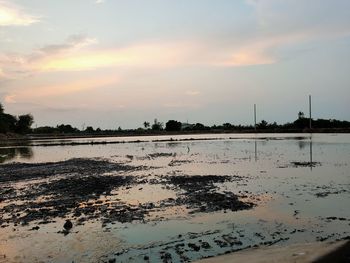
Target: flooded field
x=170 y=198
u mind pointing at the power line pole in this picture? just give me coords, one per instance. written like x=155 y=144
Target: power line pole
x=310 y=112
x=255 y=117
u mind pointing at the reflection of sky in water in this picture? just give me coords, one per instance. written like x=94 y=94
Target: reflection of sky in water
x=285 y=194
x=15 y=153
x=230 y=150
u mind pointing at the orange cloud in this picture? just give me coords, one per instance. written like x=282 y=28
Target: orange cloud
x=259 y=51
x=61 y=89
x=10 y=99
x=2 y=74
x=247 y=58
x=143 y=55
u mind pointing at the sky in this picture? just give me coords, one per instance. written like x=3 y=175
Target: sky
x=118 y=63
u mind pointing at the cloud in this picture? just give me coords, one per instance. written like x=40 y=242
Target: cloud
x=15 y=65
x=11 y=15
x=192 y=92
x=99 y=1
x=139 y=55
x=278 y=28
x=35 y=92
x=10 y=99
x=74 y=42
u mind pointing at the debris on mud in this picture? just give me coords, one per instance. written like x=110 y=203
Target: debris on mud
x=68 y=225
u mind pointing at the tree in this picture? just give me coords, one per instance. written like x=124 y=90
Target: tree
x=7 y=123
x=262 y=125
x=24 y=123
x=301 y=115
x=157 y=126
x=45 y=129
x=200 y=127
x=66 y=128
x=1 y=109
x=173 y=125
x=146 y=124
x=89 y=129
x=227 y=126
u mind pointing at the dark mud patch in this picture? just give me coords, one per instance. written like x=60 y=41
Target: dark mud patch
x=77 y=197
x=158 y=155
x=299 y=164
x=179 y=162
x=201 y=193
x=70 y=188
x=86 y=189
x=305 y=164
x=23 y=171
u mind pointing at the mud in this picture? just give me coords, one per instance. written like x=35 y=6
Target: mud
x=23 y=171
x=77 y=188
x=200 y=193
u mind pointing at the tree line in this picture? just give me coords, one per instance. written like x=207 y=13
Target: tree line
x=156 y=126
x=22 y=124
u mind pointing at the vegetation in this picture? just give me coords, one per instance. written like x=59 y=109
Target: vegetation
x=173 y=126
x=15 y=124
x=22 y=125
x=157 y=126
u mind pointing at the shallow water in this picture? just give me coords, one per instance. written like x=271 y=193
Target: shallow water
x=299 y=185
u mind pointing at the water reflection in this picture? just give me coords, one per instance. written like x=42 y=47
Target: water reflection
x=256 y=150
x=310 y=151
x=302 y=144
x=8 y=154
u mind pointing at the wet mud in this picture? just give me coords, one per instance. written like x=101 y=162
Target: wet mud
x=178 y=202
x=79 y=189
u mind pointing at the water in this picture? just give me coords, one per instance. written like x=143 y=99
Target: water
x=299 y=184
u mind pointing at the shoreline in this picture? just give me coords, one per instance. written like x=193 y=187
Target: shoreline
x=317 y=252
x=33 y=137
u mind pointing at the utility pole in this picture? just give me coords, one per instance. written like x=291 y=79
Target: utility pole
x=310 y=112
x=255 y=117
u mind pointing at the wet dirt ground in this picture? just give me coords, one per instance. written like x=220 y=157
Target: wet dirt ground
x=174 y=200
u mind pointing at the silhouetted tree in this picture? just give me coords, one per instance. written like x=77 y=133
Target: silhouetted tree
x=227 y=126
x=45 y=129
x=157 y=126
x=89 y=129
x=7 y=123
x=66 y=128
x=173 y=125
x=24 y=123
x=301 y=115
x=262 y=125
x=200 y=127
x=146 y=124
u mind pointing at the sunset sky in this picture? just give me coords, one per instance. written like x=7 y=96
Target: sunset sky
x=111 y=63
